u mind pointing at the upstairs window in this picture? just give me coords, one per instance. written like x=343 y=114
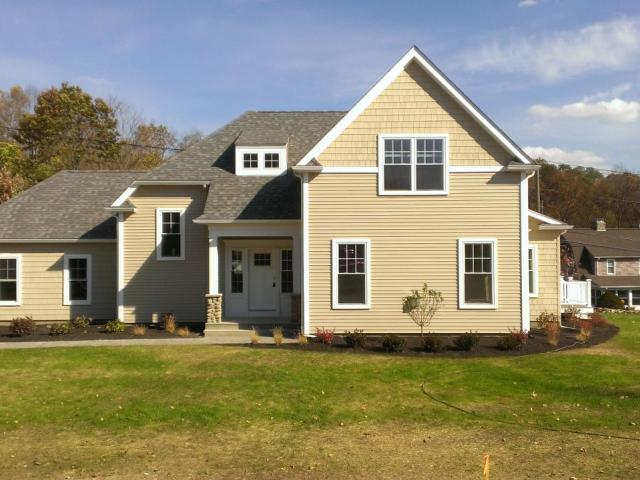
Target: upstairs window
x=250 y=160
x=77 y=279
x=170 y=234
x=9 y=280
x=271 y=160
x=413 y=165
x=611 y=266
x=267 y=161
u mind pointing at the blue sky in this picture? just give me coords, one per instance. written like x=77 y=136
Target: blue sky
x=562 y=77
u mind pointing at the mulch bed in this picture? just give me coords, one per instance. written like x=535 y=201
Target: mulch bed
x=94 y=332
x=486 y=347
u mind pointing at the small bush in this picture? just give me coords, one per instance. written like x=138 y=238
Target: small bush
x=22 y=326
x=545 y=318
x=598 y=321
x=552 y=330
x=60 y=329
x=571 y=316
x=355 y=339
x=393 y=343
x=584 y=334
x=254 y=336
x=81 y=321
x=278 y=336
x=302 y=340
x=325 y=336
x=610 y=300
x=139 y=330
x=466 y=341
x=432 y=343
x=169 y=322
x=183 y=331
x=514 y=340
x=114 y=326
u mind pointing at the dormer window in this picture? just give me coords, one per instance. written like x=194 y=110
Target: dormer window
x=266 y=161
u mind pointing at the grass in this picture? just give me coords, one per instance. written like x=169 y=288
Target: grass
x=288 y=401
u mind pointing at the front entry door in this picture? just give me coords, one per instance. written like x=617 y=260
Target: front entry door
x=262 y=281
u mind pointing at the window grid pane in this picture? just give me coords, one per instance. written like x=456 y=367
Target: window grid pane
x=262 y=259
x=250 y=160
x=170 y=239
x=286 y=274
x=397 y=151
x=430 y=151
x=271 y=160
x=8 y=269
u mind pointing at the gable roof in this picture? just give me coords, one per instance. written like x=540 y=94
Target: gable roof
x=414 y=54
x=549 y=223
x=69 y=205
x=613 y=242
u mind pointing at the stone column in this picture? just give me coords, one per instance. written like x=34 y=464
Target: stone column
x=214 y=307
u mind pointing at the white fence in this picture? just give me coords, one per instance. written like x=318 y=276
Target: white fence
x=575 y=292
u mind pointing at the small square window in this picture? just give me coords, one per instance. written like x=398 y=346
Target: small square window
x=271 y=160
x=262 y=259
x=250 y=160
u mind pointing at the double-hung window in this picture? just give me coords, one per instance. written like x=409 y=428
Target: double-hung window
x=77 y=279
x=350 y=277
x=413 y=165
x=170 y=234
x=477 y=282
x=611 y=266
x=10 y=280
x=533 y=270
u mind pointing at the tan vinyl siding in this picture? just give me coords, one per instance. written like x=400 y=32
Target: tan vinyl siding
x=42 y=281
x=154 y=287
x=548 y=298
x=414 y=103
x=624 y=266
x=414 y=240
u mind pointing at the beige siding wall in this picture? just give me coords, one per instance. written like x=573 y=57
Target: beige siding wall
x=414 y=103
x=548 y=298
x=154 y=287
x=624 y=266
x=42 y=281
x=414 y=240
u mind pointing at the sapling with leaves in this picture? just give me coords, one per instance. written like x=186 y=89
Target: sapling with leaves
x=422 y=306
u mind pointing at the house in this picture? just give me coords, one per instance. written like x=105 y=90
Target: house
x=312 y=219
x=609 y=259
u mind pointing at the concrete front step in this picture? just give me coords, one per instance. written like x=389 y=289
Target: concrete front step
x=243 y=330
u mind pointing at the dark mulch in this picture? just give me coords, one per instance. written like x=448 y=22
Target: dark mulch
x=486 y=346
x=95 y=332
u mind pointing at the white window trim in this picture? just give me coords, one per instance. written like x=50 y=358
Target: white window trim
x=66 y=290
x=606 y=266
x=413 y=137
x=261 y=170
x=159 y=212
x=334 y=274
x=494 y=277
x=534 y=249
x=18 y=300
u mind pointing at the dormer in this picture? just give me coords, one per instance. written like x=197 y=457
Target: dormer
x=261 y=153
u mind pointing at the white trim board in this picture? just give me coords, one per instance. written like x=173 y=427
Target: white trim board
x=58 y=240
x=414 y=54
x=66 y=278
x=159 y=212
x=335 y=304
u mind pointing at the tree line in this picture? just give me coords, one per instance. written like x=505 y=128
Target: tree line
x=579 y=195
x=43 y=132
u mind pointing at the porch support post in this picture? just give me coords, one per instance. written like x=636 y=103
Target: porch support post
x=214 y=297
x=589 y=293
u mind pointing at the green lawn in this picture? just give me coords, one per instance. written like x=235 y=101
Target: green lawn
x=267 y=402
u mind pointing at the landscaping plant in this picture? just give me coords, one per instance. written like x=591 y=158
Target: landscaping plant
x=432 y=343
x=392 y=343
x=598 y=321
x=169 y=322
x=545 y=318
x=60 y=329
x=514 y=340
x=355 y=339
x=325 y=336
x=139 y=330
x=254 y=336
x=422 y=305
x=80 y=321
x=302 y=340
x=22 y=326
x=610 y=300
x=278 y=336
x=183 y=331
x=585 y=331
x=466 y=341
x=114 y=326
x=571 y=316
x=552 y=330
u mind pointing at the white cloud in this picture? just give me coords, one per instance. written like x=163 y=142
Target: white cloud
x=615 y=110
x=528 y=3
x=576 y=157
x=609 y=94
x=612 y=45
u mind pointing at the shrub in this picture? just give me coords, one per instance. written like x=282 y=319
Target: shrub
x=80 y=321
x=545 y=318
x=325 y=336
x=169 y=322
x=598 y=321
x=571 y=316
x=183 y=331
x=393 y=343
x=114 y=326
x=254 y=336
x=432 y=343
x=466 y=341
x=585 y=331
x=610 y=300
x=22 y=326
x=302 y=340
x=422 y=305
x=278 y=335
x=355 y=339
x=60 y=329
x=514 y=340
x=552 y=330
x=139 y=330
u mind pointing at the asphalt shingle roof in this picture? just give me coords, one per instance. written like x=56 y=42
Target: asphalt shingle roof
x=613 y=242
x=67 y=205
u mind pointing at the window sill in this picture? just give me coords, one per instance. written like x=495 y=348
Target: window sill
x=478 y=306
x=10 y=304
x=77 y=302
x=425 y=193
x=169 y=259
x=351 y=307
x=533 y=295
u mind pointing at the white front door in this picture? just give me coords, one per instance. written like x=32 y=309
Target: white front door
x=262 y=280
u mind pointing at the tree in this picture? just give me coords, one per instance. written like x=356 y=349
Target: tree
x=68 y=130
x=422 y=305
x=14 y=105
x=12 y=163
x=190 y=138
x=149 y=146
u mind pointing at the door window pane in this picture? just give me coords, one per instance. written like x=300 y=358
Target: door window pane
x=236 y=272
x=262 y=259
x=286 y=272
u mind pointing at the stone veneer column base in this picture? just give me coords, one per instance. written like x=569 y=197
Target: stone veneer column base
x=214 y=307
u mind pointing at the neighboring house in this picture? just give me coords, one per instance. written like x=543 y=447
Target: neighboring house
x=313 y=219
x=609 y=258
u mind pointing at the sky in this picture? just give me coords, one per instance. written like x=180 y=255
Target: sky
x=561 y=77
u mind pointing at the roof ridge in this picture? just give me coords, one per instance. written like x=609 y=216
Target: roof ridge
x=102 y=171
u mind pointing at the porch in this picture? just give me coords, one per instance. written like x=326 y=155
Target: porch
x=576 y=294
